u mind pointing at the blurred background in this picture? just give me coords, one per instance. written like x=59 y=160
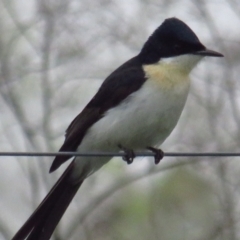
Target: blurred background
x=54 y=54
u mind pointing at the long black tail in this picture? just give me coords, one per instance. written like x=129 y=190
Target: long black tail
x=45 y=218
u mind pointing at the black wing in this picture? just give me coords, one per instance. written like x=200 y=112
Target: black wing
x=125 y=80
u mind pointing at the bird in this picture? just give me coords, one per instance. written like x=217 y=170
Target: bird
x=136 y=108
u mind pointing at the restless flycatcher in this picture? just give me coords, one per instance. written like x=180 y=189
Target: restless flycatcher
x=136 y=107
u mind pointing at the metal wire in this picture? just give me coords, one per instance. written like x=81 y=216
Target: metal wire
x=118 y=154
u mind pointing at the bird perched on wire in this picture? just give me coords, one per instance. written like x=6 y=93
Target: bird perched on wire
x=136 y=108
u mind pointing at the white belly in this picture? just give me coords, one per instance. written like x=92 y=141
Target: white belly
x=145 y=118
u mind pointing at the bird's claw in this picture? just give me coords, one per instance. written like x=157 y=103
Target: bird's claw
x=159 y=154
x=129 y=154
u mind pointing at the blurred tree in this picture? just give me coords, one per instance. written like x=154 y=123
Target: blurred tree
x=53 y=57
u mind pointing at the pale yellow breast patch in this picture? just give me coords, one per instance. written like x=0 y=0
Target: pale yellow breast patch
x=166 y=75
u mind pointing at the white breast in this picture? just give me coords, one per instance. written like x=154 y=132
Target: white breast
x=144 y=119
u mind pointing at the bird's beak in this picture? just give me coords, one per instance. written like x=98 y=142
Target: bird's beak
x=209 y=53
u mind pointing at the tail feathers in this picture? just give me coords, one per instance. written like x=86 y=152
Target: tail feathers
x=45 y=218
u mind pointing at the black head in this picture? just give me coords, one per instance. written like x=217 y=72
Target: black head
x=173 y=38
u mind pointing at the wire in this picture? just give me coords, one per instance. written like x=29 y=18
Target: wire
x=118 y=154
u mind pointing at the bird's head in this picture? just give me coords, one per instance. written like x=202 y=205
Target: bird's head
x=172 y=39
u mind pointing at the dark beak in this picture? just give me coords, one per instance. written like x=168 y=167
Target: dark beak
x=209 y=53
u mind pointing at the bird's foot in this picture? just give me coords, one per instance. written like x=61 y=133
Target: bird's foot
x=159 y=154
x=129 y=154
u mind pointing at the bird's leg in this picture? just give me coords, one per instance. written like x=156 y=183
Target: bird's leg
x=129 y=154
x=159 y=154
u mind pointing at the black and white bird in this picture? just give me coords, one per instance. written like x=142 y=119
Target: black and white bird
x=137 y=106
